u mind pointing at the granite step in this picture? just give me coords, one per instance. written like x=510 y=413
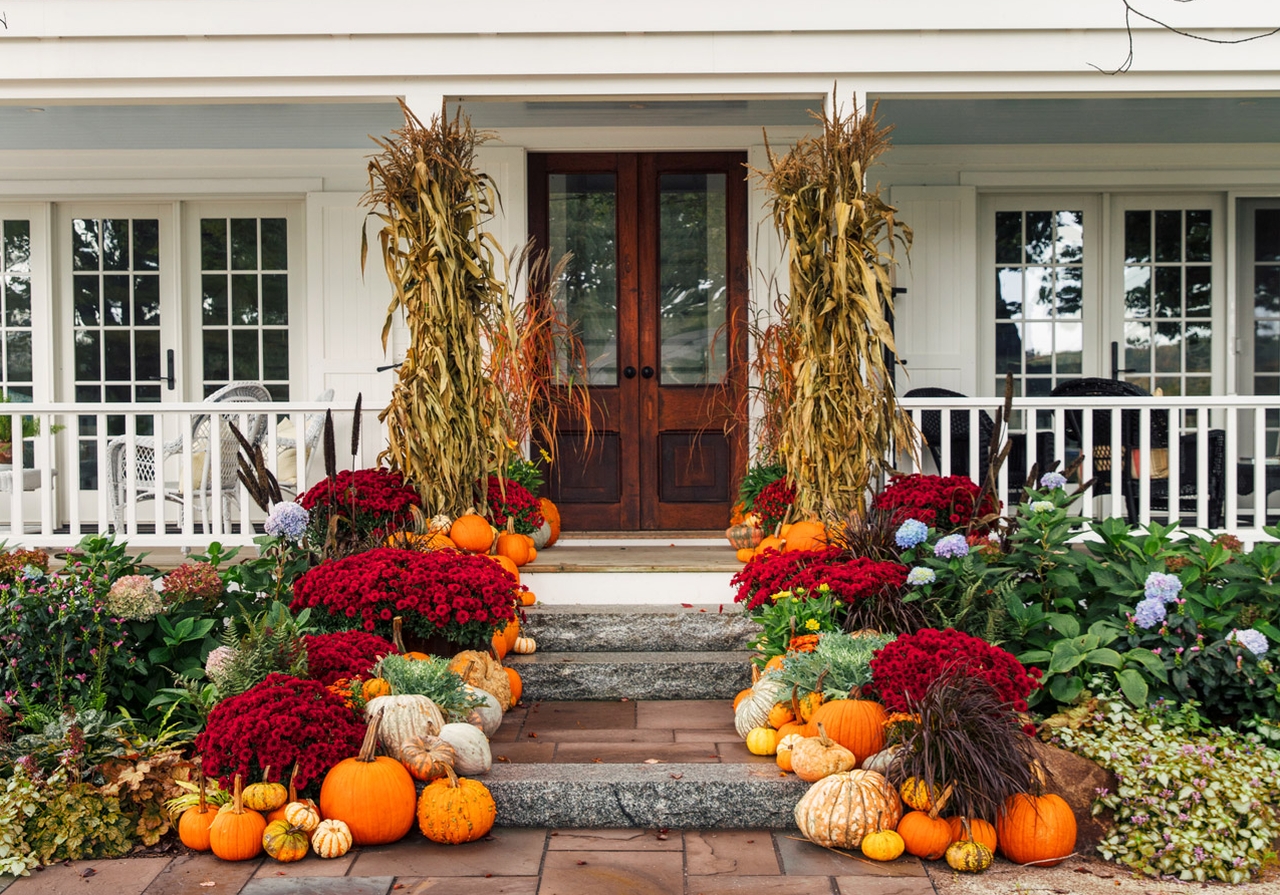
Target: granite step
x=642 y=628
x=677 y=796
x=708 y=674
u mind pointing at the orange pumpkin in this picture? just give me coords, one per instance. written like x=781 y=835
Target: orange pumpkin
x=511 y=632
x=776 y=543
x=773 y=664
x=745 y=554
x=499 y=645
x=375 y=687
x=509 y=564
x=427 y=758
x=792 y=727
x=514 y=547
x=456 y=810
x=742 y=694
x=856 y=724
x=193 y=826
x=373 y=794
x=925 y=835
x=551 y=515
x=527 y=598
x=472 y=534
x=779 y=715
x=1039 y=829
x=236 y=832
x=981 y=831
x=806 y=536
x=517 y=685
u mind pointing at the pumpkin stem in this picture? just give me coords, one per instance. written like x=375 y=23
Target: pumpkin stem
x=204 y=805
x=941 y=801
x=397 y=639
x=1039 y=781
x=237 y=800
x=453 y=776
x=369 y=747
x=293 y=789
x=823 y=738
x=266 y=774
x=795 y=701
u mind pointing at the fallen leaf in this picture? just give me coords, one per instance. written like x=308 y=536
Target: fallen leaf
x=653 y=761
x=533 y=736
x=702 y=610
x=580 y=863
x=750 y=841
x=597 y=761
x=208 y=884
x=624 y=699
x=676 y=776
x=88 y=872
x=687 y=605
x=1081 y=870
x=502 y=758
x=722 y=609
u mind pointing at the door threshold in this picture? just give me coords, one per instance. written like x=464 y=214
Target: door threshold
x=683 y=538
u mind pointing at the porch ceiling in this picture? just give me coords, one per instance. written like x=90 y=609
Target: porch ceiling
x=1224 y=119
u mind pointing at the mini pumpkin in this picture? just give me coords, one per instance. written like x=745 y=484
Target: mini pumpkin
x=472 y=755
x=883 y=845
x=516 y=683
x=925 y=833
x=742 y=694
x=967 y=855
x=816 y=757
x=917 y=795
x=454 y=810
x=525 y=646
x=743 y=536
x=745 y=554
x=400 y=718
x=285 y=842
x=975 y=828
x=375 y=687
x=303 y=815
x=236 y=832
x=427 y=758
x=527 y=598
x=762 y=741
x=265 y=796
x=551 y=514
x=332 y=839
x=779 y=715
x=785 y=745
x=807 y=705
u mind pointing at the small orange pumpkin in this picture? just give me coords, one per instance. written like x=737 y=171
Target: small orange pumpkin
x=427 y=758
x=925 y=834
x=745 y=554
x=527 y=598
x=456 y=810
x=193 y=826
x=236 y=833
x=770 y=542
x=742 y=694
x=375 y=687
x=779 y=715
x=773 y=664
x=514 y=547
x=792 y=727
x=981 y=831
x=472 y=534
x=517 y=684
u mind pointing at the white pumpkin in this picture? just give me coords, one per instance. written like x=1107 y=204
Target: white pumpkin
x=880 y=761
x=487 y=717
x=541 y=536
x=471 y=747
x=524 y=645
x=403 y=718
x=332 y=839
x=839 y=810
x=754 y=710
x=302 y=815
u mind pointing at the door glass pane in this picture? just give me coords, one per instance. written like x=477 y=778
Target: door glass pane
x=116 y=321
x=1168 y=275
x=1039 y=288
x=15 y=309
x=1266 y=311
x=582 y=221
x=244 y=284
x=692 y=278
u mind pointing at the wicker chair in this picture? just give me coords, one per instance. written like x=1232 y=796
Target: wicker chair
x=148 y=468
x=287 y=460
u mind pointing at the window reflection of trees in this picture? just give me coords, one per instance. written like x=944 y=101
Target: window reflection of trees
x=583 y=223
x=693 y=288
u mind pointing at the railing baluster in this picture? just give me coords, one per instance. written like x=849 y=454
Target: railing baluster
x=1259 y=467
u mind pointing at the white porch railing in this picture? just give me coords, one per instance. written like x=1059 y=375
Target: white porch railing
x=173 y=483
x=1207 y=462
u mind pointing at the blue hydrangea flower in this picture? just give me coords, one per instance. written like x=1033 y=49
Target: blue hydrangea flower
x=951 y=547
x=287 y=520
x=1150 y=612
x=920 y=575
x=1042 y=506
x=1254 y=641
x=1163 y=587
x=1053 y=480
x=911 y=533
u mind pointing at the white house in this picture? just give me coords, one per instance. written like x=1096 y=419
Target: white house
x=180 y=185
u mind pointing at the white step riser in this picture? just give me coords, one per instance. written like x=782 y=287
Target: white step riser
x=628 y=588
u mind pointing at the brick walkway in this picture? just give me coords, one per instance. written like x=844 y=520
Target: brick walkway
x=512 y=862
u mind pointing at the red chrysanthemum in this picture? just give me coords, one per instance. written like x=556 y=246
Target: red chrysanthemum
x=772 y=504
x=344 y=654
x=849 y=578
x=371 y=503
x=903 y=670
x=946 y=503
x=508 y=498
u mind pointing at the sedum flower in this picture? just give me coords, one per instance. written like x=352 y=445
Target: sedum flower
x=911 y=533
x=1163 y=587
x=287 y=520
x=920 y=575
x=1053 y=480
x=134 y=597
x=1150 y=612
x=1254 y=641
x=951 y=547
x=1042 y=506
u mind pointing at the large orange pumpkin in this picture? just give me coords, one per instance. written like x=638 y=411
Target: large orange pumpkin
x=806 y=536
x=514 y=547
x=1036 y=829
x=982 y=831
x=473 y=534
x=856 y=724
x=517 y=684
x=193 y=826
x=551 y=515
x=373 y=794
x=509 y=564
x=236 y=832
x=453 y=810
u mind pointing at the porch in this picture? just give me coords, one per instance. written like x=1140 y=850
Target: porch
x=1218 y=455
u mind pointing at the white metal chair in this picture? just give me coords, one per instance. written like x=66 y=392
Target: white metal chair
x=148 y=467
x=289 y=465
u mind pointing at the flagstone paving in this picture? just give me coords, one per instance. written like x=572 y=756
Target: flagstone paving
x=511 y=862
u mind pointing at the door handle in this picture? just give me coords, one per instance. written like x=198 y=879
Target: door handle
x=629 y=372
x=169 y=379
x=647 y=372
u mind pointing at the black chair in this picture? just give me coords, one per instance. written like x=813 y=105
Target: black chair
x=931 y=429
x=1130 y=443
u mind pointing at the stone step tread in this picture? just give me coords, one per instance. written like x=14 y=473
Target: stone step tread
x=697 y=609
x=636 y=676
x=651 y=629
x=614 y=657
x=677 y=795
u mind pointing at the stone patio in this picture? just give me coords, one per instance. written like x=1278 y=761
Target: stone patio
x=512 y=862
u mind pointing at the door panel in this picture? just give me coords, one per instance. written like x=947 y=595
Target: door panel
x=657 y=289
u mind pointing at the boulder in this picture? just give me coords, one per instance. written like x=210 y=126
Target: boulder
x=1077 y=780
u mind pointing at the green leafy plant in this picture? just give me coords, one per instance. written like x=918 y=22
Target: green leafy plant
x=1200 y=804
x=259 y=646
x=839 y=666
x=431 y=678
x=792 y=613
x=104 y=557
x=72 y=820
x=758 y=476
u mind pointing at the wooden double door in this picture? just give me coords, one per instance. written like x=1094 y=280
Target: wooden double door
x=656 y=289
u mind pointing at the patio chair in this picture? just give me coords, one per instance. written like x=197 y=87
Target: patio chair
x=931 y=428
x=148 y=468
x=287 y=462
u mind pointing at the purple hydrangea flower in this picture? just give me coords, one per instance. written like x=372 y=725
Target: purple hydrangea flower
x=1053 y=480
x=911 y=533
x=920 y=575
x=287 y=520
x=1150 y=612
x=951 y=547
x=1163 y=587
x=1254 y=641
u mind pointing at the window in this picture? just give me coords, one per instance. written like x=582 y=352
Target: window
x=1168 y=300
x=1260 y=302
x=1039 y=297
x=15 y=309
x=244 y=302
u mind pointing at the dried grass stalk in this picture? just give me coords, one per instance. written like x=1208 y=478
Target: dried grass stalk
x=842 y=417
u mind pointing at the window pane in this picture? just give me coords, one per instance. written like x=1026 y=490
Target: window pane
x=1069 y=348
x=275 y=299
x=1008 y=237
x=115 y=244
x=1199 y=348
x=17 y=301
x=15 y=253
x=1070 y=293
x=1266 y=234
x=1168 y=236
x=1039 y=248
x=1008 y=348
x=244 y=243
x=115 y=300
x=692 y=278
x=213 y=244
x=146 y=301
x=1070 y=226
x=244 y=300
x=117 y=353
x=582 y=217
x=1137 y=347
x=1039 y=347
x=244 y=354
x=1199 y=233
x=1168 y=348
x=1137 y=236
x=275 y=245
x=1008 y=293
x=275 y=354
x=84 y=245
x=1168 y=292
x=85 y=287
x=146 y=245
x=17 y=356
x=217 y=363
x=1039 y=293
x=88 y=359
x=1137 y=291
x=1199 y=292
x=214 y=299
